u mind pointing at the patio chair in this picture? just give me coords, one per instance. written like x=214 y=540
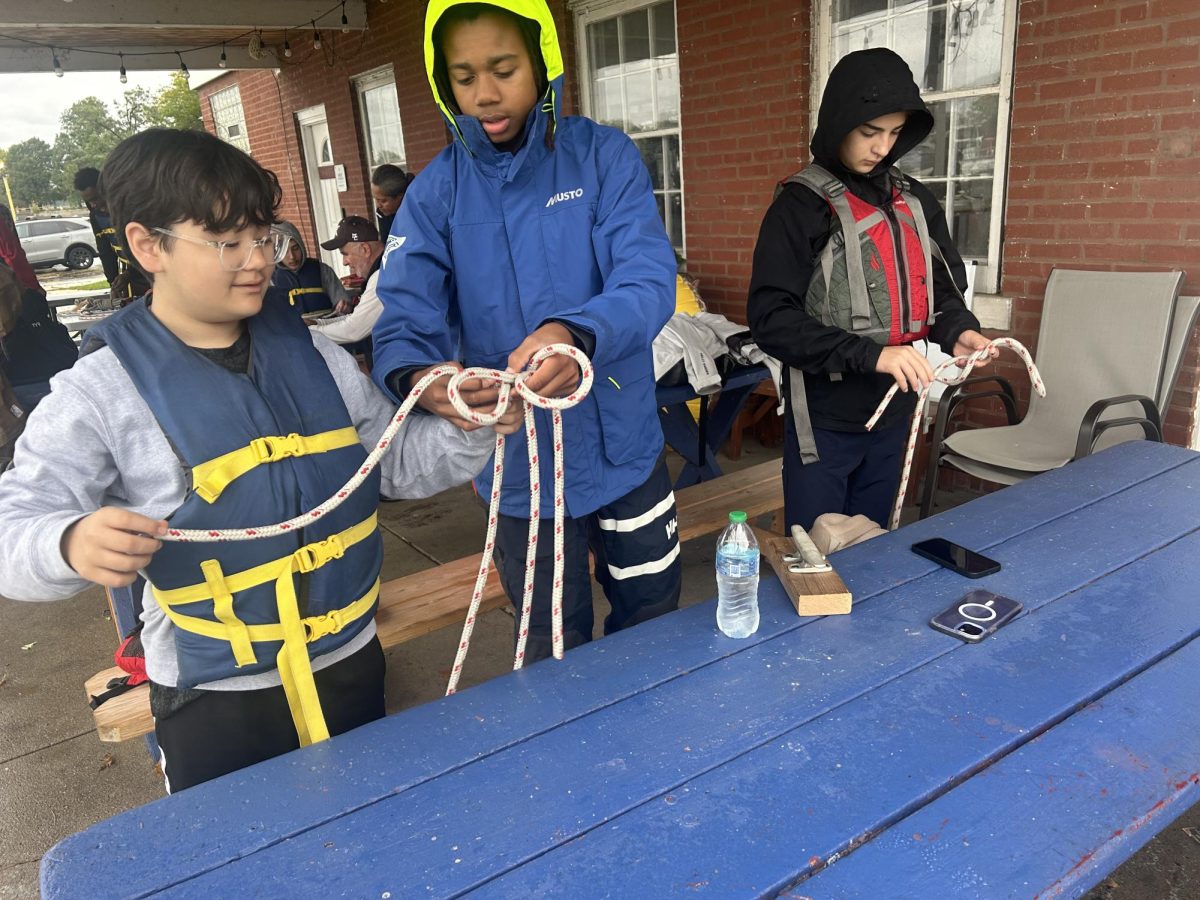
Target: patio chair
x=1109 y=350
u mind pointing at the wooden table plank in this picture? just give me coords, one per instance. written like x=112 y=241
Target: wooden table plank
x=848 y=658
x=354 y=772
x=1118 y=770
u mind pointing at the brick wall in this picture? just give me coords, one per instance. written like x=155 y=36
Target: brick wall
x=1104 y=157
x=744 y=87
x=1105 y=154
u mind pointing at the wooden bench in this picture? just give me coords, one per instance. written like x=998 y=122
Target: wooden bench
x=434 y=598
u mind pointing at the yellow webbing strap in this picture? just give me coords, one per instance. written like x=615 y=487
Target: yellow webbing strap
x=296 y=292
x=239 y=638
x=295 y=668
x=209 y=479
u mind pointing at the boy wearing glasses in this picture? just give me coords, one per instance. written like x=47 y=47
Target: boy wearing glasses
x=202 y=407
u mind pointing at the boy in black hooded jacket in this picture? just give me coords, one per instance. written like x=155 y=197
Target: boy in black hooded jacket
x=871 y=115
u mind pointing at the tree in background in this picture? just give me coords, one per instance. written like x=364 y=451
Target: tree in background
x=88 y=130
x=176 y=106
x=31 y=171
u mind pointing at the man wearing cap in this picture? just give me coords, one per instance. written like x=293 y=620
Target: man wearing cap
x=358 y=240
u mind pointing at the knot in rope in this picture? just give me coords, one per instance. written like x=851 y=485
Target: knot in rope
x=960 y=369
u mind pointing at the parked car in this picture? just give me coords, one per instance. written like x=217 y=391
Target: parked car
x=51 y=242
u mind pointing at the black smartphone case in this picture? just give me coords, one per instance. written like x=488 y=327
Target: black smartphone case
x=976 y=615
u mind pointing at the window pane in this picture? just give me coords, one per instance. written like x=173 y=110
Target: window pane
x=973 y=45
x=635 y=36
x=663 y=16
x=929 y=158
x=975 y=135
x=848 y=9
x=971 y=216
x=652 y=155
x=666 y=95
x=671 y=154
x=919 y=37
x=385 y=137
x=605 y=50
x=639 y=102
x=607 y=108
x=675 y=231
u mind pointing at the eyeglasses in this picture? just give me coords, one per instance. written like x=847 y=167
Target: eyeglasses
x=235 y=255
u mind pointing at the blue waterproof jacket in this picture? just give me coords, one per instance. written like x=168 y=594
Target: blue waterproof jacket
x=490 y=245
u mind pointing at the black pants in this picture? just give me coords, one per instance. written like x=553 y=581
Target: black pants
x=222 y=731
x=636 y=547
x=858 y=472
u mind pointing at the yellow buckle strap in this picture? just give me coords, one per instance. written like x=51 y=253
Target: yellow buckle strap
x=320 y=552
x=209 y=479
x=296 y=292
x=239 y=638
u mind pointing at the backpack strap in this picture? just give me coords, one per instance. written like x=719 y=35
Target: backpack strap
x=827 y=185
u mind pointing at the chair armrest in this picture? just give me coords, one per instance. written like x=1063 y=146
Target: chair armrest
x=1091 y=428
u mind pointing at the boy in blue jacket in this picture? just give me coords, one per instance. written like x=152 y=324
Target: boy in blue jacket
x=528 y=230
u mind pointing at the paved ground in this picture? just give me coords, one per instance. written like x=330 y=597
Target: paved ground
x=56 y=778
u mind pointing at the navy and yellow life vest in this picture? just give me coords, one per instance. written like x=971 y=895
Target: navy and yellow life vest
x=260 y=448
x=303 y=288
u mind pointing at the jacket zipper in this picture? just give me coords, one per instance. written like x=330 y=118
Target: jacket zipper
x=901 y=269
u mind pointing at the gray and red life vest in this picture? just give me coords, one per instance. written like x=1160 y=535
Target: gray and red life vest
x=883 y=292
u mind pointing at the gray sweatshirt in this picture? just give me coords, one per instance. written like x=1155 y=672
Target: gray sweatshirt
x=94 y=442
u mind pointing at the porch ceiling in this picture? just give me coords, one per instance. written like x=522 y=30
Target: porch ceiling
x=149 y=33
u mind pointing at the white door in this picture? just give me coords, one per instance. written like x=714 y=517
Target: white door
x=322 y=182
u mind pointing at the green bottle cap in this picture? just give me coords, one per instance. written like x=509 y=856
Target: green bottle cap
x=737 y=517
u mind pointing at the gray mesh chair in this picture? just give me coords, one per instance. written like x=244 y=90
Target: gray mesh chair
x=1109 y=350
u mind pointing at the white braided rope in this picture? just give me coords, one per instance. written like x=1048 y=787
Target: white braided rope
x=555 y=405
x=967 y=364
x=508 y=383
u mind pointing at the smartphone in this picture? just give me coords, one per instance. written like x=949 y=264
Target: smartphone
x=957 y=559
x=976 y=615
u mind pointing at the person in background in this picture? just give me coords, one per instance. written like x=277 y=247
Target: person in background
x=12 y=254
x=125 y=280
x=36 y=346
x=311 y=287
x=86 y=181
x=388 y=185
x=361 y=251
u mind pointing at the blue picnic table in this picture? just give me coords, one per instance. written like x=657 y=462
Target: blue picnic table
x=847 y=756
x=697 y=440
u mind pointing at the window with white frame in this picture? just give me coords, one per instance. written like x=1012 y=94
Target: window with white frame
x=631 y=81
x=380 y=113
x=229 y=118
x=960 y=52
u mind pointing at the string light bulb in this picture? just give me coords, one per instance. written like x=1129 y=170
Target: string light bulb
x=316 y=36
x=124 y=77
x=223 y=62
x=345 y=21
x=183 y=69
x=287 y=48
x=58 y=69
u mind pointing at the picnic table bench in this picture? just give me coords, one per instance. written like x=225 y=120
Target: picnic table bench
x=847 y=756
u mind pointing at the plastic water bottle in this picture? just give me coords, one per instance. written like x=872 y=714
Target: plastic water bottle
x=737 y=578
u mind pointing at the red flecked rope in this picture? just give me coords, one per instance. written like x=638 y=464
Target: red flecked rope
x=967 y=364
x=508 y=383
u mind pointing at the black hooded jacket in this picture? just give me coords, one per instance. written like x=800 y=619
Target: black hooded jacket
x=863 y=86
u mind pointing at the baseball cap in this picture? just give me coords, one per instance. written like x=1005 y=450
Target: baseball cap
x=351 y=229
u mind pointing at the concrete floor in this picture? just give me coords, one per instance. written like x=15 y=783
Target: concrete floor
x=56 y=778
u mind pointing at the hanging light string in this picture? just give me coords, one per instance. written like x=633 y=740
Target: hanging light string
x=121 y=54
